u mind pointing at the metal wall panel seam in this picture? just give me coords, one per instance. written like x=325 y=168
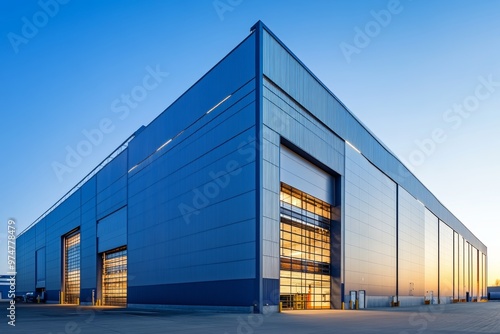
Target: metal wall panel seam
x=258 y=29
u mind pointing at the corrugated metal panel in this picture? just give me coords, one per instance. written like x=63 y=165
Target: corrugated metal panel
x=294 y=124
x=25 y=261
x=41 y=232
x=370 y=228
x=112 y=231
x=88 y=235
x=411 y=246
x=270 y=204
x=111 y=183
x=40 y=268
x=302 y=174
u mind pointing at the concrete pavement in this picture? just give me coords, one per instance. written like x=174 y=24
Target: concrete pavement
x=450 y=318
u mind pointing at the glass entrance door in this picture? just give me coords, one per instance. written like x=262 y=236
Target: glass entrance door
x=305 y=279
x=114 y=277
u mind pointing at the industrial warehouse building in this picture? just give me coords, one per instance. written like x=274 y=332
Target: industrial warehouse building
x=256 y=186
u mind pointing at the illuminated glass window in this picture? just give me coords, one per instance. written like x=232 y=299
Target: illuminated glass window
x=72 y=268
x=114 y=277
x=304 y=250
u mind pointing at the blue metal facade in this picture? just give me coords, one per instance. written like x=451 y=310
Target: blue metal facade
x=194 y=197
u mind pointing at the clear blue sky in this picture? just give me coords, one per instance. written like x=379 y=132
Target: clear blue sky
x=405 y=79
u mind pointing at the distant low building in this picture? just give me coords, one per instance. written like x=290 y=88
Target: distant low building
x=493 y=293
